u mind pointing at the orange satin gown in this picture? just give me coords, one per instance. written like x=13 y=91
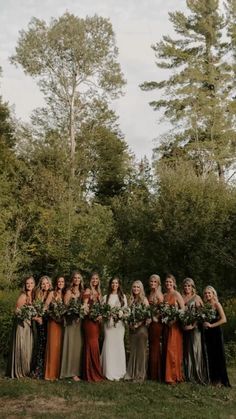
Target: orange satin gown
x=53 y=350
x=172 y=349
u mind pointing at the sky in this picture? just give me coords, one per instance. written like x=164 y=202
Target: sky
x=138 y=24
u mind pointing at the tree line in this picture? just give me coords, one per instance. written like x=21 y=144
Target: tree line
x=72 y=194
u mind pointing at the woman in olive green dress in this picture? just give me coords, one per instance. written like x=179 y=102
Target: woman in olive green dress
x=19 y=362
x=72 y=341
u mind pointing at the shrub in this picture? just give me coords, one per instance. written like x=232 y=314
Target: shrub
x=7 y=305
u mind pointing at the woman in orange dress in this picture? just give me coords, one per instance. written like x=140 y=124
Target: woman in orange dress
x=54 y=336
x=92 y=370
x=155 y=330
x=172 y=336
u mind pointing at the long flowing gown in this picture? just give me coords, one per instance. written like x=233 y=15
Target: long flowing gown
x=53 y=350
x=172 y=348
x=40 y=339
x=137 y=364
x=92 y=370
x=19 y=362
x=71 y=362
x=216 y=356
x=113 y=358
x=195 y=358
x=154 y=340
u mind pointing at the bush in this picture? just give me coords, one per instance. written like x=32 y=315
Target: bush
x=7 y=305
x=229 y=329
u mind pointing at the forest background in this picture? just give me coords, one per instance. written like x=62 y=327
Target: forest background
x=74 y=197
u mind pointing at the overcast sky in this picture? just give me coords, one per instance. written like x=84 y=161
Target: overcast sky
x=137 y=24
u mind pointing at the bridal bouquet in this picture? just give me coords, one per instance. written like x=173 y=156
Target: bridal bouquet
x=116 y=314
x=57 y=310
x=75 y=310
x=25 y=313
x=155 y=311
x=138 y=313
x=168 y=313
x=39 y=307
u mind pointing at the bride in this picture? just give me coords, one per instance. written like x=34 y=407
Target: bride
x=113 y=350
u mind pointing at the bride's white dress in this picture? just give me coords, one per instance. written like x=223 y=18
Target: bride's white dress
x=113 y=351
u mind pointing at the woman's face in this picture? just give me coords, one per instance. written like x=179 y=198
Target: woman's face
x=29 y=284
x=153 y=283
x=61 y=283
x=188 y=289
x=76 y=279
x=45 y=285
x=136 y=289
x=115 y=285
x=95 y=280
x=208 y=295
x=169 y=284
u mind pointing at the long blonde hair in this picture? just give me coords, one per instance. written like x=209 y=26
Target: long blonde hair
x=215 y=296
x=98 y=289
x=192 y=283
x=141 y=297
x=38 y=291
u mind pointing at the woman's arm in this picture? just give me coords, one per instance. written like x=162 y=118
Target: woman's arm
x=67 y=297
x=21 y=301
x=180 y=300
x=221 y=320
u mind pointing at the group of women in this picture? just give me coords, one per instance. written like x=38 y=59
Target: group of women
x=167 y=353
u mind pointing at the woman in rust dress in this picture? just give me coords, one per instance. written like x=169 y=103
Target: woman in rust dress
x=92 y=370
x=54 y=335
x=172 y=337
x=155 y=330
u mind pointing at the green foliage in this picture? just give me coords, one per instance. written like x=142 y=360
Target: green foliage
x=7 y=306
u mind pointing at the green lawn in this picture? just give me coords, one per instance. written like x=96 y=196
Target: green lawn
x=66 y=399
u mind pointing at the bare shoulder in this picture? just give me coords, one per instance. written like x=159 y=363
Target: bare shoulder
x=21 y=300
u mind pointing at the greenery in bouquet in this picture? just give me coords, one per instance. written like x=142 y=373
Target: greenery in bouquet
x=138 y=313
x=206 y=313
x=95 y=311
x=25 y=313
x=168 y=313
x=73 y=310
x=155 y=311
x=189 y=316
x=106 y=312
x=39 y=307
x=56 y=310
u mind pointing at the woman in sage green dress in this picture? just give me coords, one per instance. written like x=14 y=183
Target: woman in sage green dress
x=195 y=359
x=19 y=362
x=71 y=362
x=137 y=364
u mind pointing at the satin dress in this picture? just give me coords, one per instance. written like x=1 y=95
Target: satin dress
x=154 y=340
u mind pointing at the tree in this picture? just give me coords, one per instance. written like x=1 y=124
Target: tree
x=75 y=63
x=198 y=92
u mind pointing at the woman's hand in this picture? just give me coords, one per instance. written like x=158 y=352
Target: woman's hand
x=207 y=325
x=39 y=320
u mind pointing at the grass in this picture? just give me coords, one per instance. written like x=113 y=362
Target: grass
x=65 y=399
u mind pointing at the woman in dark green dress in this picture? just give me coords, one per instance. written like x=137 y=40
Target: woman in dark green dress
x=72 y=342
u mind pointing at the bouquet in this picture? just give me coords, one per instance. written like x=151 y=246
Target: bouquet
x=206 y=313
x=75 y=310
x=95 y=311
x=106 y=312
x=115 y=314
x=168 y=313
x=155 y=311
x=189 y=316
x=138 y=313
x=56 y=310
x=39 y=307
x=25 y=313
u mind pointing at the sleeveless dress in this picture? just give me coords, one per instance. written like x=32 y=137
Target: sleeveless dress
x=216 y=356
x=71 y=362
x=195 y=358
x=154 y=340
x=172 y=349
x=92 y=370
x=53 y=350
x=137 y=364
x=21 y=350
x=113 y=351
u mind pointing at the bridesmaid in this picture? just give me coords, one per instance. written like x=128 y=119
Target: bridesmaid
x=195 y=362
x=155 y=330
x=137 y=365
x=113 y=351
x=92 y=367
x=42 y=292
x=214 y=340
x=54 y=335
x=71 y=363
x=19 y=362
x=172 y=336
